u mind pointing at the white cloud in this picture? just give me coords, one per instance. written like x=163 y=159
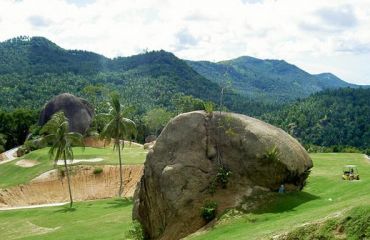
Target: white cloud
x=317 y=35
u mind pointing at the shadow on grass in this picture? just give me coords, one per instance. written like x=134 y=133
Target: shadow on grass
x=285 y=202
x=119 y=202
x=65 y=209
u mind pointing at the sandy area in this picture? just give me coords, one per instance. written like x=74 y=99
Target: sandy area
x=90 y=160
x=27 y=163
x=51 y=187
x=34 y=206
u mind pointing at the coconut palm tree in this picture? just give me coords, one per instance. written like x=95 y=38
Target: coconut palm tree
x=117 y=129
x=61 y=141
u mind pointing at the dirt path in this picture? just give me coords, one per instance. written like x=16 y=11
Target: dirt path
x=34 y=206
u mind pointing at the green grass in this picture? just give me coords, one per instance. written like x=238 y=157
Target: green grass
x=102 y=219
x=11 y=174
x=325 y=194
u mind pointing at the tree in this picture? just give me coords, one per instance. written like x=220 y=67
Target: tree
x=118 y=128
x=2 y=142
x=156 y=119
x=62 y=142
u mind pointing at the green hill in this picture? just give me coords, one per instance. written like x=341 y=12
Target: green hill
x=271 y=80
x=328 y=118
x=32 y=70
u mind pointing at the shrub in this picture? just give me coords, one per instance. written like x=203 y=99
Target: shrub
x=209 y=211
x=97 y=170
x=272 y=155
x=209 y=107
x=222 y=177
x=61 y=172
x=367 y=151
x=136 y=231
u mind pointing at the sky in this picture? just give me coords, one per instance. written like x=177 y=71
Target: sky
x=316 y=35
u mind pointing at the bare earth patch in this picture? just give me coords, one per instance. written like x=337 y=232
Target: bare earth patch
x=52 y=187
x=27 y=163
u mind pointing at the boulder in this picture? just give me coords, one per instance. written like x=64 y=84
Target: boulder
x=150 y=138
x=148 y=146
x=79 y=112
x=180 y=172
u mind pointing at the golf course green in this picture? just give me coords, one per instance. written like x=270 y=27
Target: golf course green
x=326 y=200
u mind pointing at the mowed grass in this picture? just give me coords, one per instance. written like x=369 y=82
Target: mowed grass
x=325 y=195
x=101 y=219
x=11 y=174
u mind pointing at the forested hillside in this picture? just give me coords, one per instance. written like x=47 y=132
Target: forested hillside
x=329 y=118
x=32 y=70
x=267 y=80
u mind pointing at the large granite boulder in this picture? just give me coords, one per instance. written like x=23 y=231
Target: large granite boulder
x=180 y=172
x=78 y=111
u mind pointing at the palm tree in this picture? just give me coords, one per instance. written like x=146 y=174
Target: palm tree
x=61 y=142
x=118 y=128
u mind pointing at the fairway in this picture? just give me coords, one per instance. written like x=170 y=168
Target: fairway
x=11 y=174
x=102 y=219
x=325 y=195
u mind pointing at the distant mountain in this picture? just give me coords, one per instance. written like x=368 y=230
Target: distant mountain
x=328 y=118
x=271 y=80
x=32 y=70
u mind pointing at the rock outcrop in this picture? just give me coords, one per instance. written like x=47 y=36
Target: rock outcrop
x=180 y=172
x=78 y=111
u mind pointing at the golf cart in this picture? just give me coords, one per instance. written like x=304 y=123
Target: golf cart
x=350 y=172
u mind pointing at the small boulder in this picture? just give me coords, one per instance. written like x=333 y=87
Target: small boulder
x=148 y=146
x=150 y=138
x=78 y=111
x=181 y=171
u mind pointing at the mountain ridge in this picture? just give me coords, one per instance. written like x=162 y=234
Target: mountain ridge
x=36 y=64
x=275 y=80
x=41 y=69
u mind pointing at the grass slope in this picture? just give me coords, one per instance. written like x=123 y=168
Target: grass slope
x=103 y=219
x=11 y=174
x=326 y=195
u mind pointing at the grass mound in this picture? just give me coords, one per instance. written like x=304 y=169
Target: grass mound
x=355 y=225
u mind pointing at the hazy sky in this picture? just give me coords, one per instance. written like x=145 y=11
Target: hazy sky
x=316 y=35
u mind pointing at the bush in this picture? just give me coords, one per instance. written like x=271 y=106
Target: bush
x=223 y=175
x=367 y=151
x=272 y=155
x=29 y=146
x=209 y=107
x=61 y=172
x=209 y=211
x=97 y=170
x=136 y=231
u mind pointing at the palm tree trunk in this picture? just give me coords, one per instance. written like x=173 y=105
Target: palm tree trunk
x=68 y=180
x=120 y=170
